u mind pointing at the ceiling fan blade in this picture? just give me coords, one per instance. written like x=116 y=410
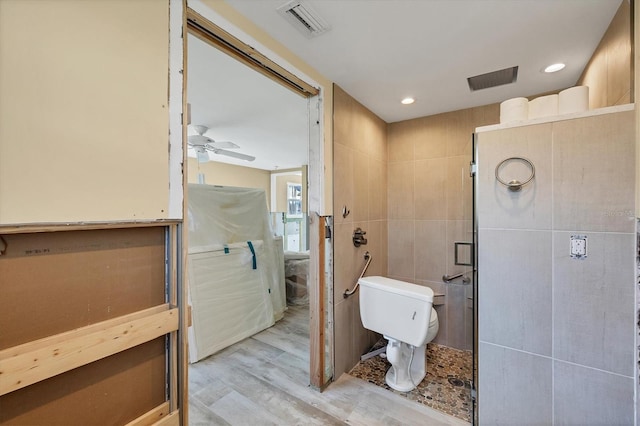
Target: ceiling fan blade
x=234 y=154
x=223 y=145
x=199 y=140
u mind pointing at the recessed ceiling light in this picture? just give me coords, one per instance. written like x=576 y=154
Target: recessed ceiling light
x=407 y=101
x=554 y=67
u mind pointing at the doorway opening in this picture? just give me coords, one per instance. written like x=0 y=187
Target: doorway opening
x=247 y=128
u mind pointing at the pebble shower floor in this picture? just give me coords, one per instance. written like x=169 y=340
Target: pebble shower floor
x=446 y=388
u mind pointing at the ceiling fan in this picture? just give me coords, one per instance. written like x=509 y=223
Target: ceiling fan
x=201 y=144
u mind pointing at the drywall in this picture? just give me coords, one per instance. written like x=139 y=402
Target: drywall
x=84 y=111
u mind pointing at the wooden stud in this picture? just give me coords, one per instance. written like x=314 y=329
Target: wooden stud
x=173 y=419
x=20 y=367
x=151 y=417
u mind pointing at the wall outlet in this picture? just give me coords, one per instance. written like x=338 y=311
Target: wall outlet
x=578 y=247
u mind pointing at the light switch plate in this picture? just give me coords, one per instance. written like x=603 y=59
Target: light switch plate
x=578 y=247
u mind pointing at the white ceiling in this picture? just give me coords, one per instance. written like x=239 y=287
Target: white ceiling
x=380 y=51
x=241 y=105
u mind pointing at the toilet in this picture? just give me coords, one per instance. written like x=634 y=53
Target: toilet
x=403 y=313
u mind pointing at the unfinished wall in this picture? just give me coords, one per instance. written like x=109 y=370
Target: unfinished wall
x=84 y=110
x=83 y=335
x=430 y=207
x=609 y=73
x=360 y=183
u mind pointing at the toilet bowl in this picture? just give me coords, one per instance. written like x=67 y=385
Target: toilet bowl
x=403 y=313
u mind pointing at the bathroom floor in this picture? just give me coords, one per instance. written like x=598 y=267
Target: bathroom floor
x=446 y=388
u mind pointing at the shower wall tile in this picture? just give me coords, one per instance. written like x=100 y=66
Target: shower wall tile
x=529 y=208
x=430 y=249
x=377 y=189
x=401 y=141
x=515 y=289
x=343 y=181
x=361 y=172
x=372 y=138
x=384 y=239
x=401 y=249
x=593 y=302
x=342 y=336
x=430 y=134
x=376 y=246
x=401 y=190
x=460 y=127
x=345 y=130
x=348 y=259
x=516 y=387
x=618 y=55
x=583 y=396
x=360 y=184
x=458 y=188
x=458 y=231
x=430 y=190
x=456 y=316
x=594 y=173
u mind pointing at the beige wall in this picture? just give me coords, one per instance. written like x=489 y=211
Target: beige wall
x=84 y=110
x=251 y=29
x=609 y=74
x=216 y=173
x=430 y=207
x=360 y=182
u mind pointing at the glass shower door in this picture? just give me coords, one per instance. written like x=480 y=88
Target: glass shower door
x=474 y=284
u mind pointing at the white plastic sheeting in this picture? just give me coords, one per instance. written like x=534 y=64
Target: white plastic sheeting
x=230 y=300
x=228 y=216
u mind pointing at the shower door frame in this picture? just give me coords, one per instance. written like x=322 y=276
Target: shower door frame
x=474 y=282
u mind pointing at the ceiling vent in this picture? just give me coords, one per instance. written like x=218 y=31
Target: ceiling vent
x=493 y=79
x=304 y=18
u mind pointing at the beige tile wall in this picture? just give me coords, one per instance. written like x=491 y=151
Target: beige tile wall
x=430 y=207
x=609 y=74
x=360 y=185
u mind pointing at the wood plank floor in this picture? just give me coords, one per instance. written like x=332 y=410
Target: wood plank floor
x=264 y=380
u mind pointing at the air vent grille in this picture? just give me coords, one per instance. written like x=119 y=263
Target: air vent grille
x=493 y=79
x=304 y=18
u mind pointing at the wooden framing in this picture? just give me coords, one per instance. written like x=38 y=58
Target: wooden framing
x=151 y=417
x=317 y=305
x=216 y=36
x=32 y=362
x=38 y=375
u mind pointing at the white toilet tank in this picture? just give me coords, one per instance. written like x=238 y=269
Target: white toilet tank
x=396 y=309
